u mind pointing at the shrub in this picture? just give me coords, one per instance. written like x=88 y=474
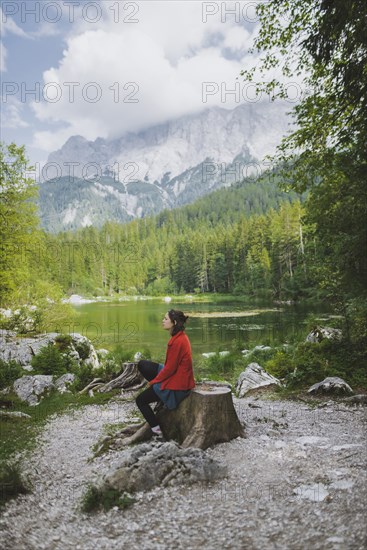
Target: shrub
x=9 y=372
x=219 y=367
x=11 y=482
x=84 y=375
x=310 y=363
x=281 y=364
x=105 y=498
x=83 y=348
x=63 y=342
x=50 y=360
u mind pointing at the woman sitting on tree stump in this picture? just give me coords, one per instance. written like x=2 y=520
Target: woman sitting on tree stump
x=169 y=383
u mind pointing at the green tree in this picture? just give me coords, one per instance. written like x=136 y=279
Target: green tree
x=325 y=44
x=18 y=219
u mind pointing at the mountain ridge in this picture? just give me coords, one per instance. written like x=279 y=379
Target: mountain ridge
x=164 y=166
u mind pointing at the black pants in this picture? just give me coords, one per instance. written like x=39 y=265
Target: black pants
x=149 y=370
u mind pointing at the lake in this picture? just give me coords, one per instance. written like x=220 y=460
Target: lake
x=212 y=326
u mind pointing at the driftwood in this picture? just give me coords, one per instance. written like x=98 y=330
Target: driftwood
x=95 y=382
x=129 y=379
x=206 y=417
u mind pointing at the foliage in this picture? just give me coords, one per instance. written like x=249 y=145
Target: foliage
x=18 y=219
x=49 y=360
x=11 y=482
x=9 y=372
x=264 y=255
x=83 y=348
x=63 y=342
x=323 y=45
x=219 y=367
x=96 y=498
x=310 y=363
x=84 y=375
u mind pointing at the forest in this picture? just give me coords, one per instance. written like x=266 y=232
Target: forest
x=298 y=232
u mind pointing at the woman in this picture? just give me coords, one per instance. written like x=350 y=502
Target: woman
x=169 y=383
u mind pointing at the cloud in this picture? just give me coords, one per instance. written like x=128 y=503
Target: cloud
x=46 y=29
x=11 y=114
x=8 y=26
x=144 y=73
x=3 y=55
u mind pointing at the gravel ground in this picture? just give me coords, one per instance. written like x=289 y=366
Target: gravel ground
x=297 y=481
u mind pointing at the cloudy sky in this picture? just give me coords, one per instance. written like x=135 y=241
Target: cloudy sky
x=104 y=68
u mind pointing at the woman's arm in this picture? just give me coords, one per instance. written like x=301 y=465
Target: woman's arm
x=171 y=364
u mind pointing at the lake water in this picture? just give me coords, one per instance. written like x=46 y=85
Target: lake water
x=212 y=327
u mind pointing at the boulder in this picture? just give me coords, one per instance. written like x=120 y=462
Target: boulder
x=62 y=383
x=253 y=377
x=85 y=349
x=162 y=464
x=320 y=333
x=360 y=399
x=256 y=348
x=32 y=388
x=23 y=349
x=332 y=384
x=213 y=353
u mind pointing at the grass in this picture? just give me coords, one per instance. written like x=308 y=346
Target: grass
x=11 y=482
x=96 y=498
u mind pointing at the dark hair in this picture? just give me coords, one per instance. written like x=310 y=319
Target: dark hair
x=179 y=318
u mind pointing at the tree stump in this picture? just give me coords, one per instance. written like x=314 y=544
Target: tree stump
x=129 y=379
x=206 y=417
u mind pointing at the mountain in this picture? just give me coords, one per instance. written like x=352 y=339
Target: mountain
x=165 y=166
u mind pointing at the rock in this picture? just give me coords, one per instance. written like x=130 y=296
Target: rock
x=102 y=353
x=253 y=377
x=86 y=350
x=256 y=348
x=172 y=466
x=213 y=353
x=360 y=399
x=331 y=384
x=16 y=415
x=262 y=348
x=77 y=300
x=62 y=383
x=32 y=388
x=319 y=333
x=23 y=349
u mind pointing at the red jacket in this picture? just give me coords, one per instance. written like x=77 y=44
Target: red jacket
x=177 y=373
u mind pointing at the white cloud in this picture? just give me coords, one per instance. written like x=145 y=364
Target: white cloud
x=8 y=25
x=3 y=55
x=169 y=53
x=46 y=29
x=11 y=114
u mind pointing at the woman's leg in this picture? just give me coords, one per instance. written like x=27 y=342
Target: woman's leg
x=143 y=400
x=148 y=369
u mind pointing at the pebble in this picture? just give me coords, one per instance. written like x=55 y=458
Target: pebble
x=257 y=506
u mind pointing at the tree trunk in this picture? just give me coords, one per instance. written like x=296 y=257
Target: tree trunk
x=130 y=377
x=206 y=417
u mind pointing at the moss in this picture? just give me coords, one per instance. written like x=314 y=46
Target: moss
x=95 y=499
